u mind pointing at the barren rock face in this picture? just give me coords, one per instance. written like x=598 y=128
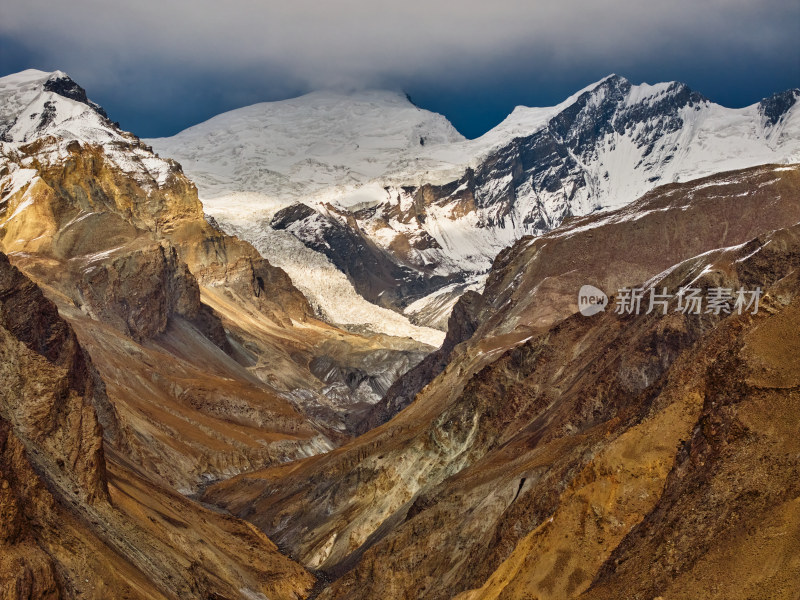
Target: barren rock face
x=70 y=525
x=26 y=571
x=461 y=327
x=526 y=466
x=50 y=387
x=141 y=290
x=730 y=477
x=79 y=206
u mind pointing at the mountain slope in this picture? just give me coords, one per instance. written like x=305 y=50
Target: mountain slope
x=212 y=357
x=76 y=524
x=539 y=413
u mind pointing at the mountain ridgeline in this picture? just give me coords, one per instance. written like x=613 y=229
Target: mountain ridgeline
x=414 y=226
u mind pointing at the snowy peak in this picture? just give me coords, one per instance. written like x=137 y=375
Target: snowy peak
x=615 y=105
x=294 y=148
x=362 y=113
x=612 y=142
x=36 y=103
x=402 y=185
x=60 y=83
x=604 y=101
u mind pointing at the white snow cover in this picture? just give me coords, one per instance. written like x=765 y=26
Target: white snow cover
x=15 y=180
x=359 y=150
x=294 y=148
x=334 y=145
x=28 y=112
x=437 y=306
x=328 y=290
x=15 y=185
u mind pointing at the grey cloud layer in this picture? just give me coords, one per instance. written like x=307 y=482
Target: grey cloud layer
x=352 y=41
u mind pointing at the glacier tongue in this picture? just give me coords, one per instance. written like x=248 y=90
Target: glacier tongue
x=328 y=290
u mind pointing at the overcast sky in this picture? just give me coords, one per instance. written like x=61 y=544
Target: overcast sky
x=160 y=66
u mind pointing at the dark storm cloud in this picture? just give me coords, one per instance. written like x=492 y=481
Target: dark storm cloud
x=233 y=53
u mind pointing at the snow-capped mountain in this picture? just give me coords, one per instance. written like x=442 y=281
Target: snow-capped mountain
x=296 y=148
x=413 y=213
x=50 y=108
x=37 y=104
x=606 y=148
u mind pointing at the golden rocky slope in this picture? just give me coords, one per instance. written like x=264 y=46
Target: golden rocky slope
x=212 y=358
x=75 y=525
x=552 y=455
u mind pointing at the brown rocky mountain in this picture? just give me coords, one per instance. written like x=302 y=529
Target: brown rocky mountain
x=556 y=455
x=76 y=524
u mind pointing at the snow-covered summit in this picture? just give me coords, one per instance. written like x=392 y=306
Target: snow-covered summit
x=444 y=206
x=293 y=148
x=396 y=186
x=36 y=103
x=326 y=141
x=344 y=148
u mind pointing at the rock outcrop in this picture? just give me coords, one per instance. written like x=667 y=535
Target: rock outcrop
x=51 y=391
x=461 y=326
